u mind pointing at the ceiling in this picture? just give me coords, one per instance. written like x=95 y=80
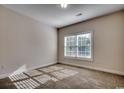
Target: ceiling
x=57 y=17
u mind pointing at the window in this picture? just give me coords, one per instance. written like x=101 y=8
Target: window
x=78 y=46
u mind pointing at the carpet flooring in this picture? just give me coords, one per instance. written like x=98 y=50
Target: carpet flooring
x=61 y=76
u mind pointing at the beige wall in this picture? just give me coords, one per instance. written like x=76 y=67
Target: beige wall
x=24 y=41
x=108 y=43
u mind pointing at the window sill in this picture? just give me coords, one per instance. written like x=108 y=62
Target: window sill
x=79 y=58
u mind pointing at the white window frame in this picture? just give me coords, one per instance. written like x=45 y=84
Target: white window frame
x=80 y=58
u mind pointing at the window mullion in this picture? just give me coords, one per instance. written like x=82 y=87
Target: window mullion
x=76 y=45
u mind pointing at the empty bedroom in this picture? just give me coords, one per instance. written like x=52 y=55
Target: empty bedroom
x=61 y=46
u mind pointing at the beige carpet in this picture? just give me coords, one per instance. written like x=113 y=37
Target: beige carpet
x=63 y=77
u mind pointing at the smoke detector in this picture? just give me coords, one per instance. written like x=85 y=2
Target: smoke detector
x=79 y=14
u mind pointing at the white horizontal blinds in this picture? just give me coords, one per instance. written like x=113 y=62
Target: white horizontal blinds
x=70 y=46
x=78 y=45
x=84 y=45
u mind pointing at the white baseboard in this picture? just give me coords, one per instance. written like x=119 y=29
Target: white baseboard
x=7 y=74
x=96 y=68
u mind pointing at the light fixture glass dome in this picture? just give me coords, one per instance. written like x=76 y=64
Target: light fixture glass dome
x=63 y=5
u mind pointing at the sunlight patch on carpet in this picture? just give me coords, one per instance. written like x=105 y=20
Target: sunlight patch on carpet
x=47 y=70
x=18 y=77
x=59 y=75
x=64 y=73
x=69 y=72
x=26 y=84
x=45 y=78
x=33 y=73
x=55 y=67
x=50 y=69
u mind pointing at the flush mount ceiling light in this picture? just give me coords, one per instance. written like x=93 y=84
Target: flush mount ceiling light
x=63 y=5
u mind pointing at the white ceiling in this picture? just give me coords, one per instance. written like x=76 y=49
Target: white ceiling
x=53 y=15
